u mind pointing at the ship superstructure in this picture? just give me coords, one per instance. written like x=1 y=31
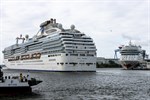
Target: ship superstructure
x=53 y=49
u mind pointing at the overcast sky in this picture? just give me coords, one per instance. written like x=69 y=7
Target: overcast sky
x=110 y=23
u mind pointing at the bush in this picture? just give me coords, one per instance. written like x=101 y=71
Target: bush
x=111 y=64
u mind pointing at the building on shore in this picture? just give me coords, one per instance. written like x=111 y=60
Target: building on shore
x=107 y=63
x=103 y=60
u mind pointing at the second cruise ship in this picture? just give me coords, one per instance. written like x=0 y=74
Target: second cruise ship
x=53 y=48
x=132 y=56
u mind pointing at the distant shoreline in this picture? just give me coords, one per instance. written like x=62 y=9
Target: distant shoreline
x=111 y=64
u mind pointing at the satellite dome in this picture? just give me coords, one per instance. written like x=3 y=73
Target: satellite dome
x=27 y=36
x=60 y=26
x=72 y=27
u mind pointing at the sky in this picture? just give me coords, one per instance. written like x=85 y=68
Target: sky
x=110 y=23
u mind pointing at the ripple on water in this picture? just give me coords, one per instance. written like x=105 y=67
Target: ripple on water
x=105 y=84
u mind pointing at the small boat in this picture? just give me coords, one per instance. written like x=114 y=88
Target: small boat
x=12 y=85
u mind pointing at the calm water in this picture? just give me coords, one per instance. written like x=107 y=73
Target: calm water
x=105 y=84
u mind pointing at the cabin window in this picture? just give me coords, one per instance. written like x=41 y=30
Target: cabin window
x=61 y=63
x=82 y=54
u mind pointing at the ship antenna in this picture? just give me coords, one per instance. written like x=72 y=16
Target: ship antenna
x=130 y=43
x=20 y=38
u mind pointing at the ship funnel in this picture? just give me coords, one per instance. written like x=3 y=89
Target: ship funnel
x=54 y=21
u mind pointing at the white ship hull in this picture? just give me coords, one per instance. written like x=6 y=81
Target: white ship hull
x=129 y=64
x=57 y=63
x=130 y=61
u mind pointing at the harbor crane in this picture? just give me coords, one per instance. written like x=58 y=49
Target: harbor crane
x=117 y=50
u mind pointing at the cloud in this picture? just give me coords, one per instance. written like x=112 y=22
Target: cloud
x=109 y=22
x=129 y=37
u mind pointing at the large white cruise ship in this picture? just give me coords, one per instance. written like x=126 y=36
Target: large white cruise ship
x=132 y=56
x=53 y=48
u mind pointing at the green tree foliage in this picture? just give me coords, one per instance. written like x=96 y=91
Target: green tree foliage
x=110 y=64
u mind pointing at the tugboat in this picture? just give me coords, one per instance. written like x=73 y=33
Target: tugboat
x=12 y=85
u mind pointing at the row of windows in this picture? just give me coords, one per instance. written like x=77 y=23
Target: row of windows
x=25 y=49
x=54 y=51
x=70 y=37
x=78 y=35
x=54 y=55
x=52 y=43
x=65 y=34
x=129 y=54
x=129 y=51
x=71 y=55
x=53 y=47
x=26 y=57
x=80 y=55
x=28 y=48
x=74 y=63
x=33 y=48
x=77 y=47
x=72 y=40
x=130 y=57
x=65 y=42
x=35 y=44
